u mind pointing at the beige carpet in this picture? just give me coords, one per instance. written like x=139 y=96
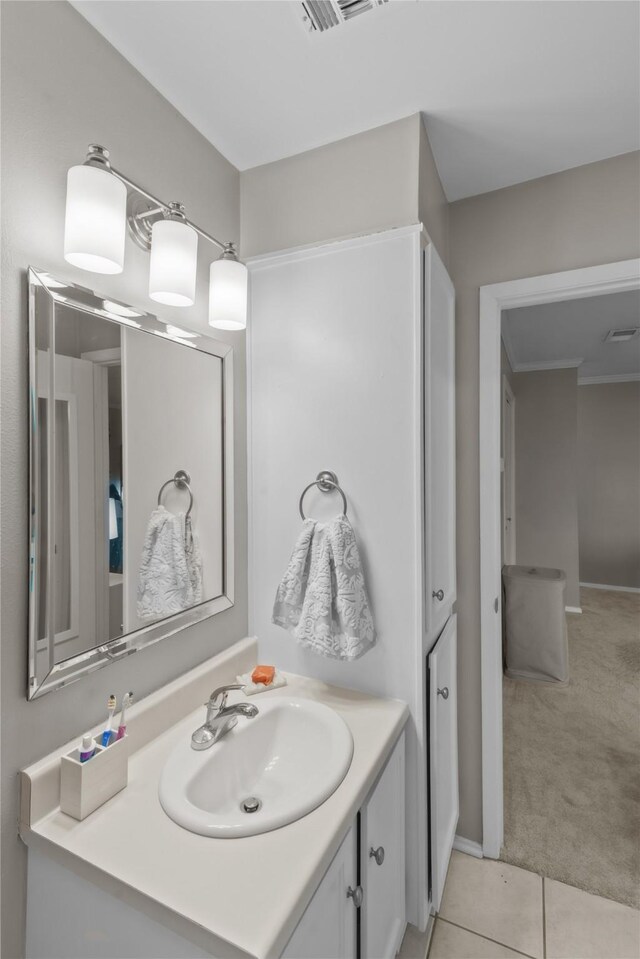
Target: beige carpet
x=572 y=757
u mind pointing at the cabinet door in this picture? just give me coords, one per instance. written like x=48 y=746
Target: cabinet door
x=440 y=441
x=382 y=867
x=443 y=755
x=327 y=929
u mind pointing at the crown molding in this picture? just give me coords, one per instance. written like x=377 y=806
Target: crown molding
x=614 y=378
x=539 y=365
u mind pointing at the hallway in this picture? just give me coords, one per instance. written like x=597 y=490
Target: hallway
x=571 y=775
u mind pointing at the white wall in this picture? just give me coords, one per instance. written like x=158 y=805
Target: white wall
x=63 y=87
x=333 y=387
x=172 y=421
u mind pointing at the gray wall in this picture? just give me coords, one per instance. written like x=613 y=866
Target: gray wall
x=609 y=483
x=433 y=209
x=581 y=217
x=546 y=473
x=361 y=184
x=63 y=87
x=372 y=181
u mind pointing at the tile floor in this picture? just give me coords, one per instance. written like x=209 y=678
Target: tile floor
x=491 y=910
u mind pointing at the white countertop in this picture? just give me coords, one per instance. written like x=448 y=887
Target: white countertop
x=232 y=897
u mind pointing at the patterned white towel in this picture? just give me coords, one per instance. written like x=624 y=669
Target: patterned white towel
x=322 y=599
x=170 y=577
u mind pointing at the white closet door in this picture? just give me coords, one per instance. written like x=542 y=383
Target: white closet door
x=79 y=409
x=440 y=441
x=327 y=929
x=382 y=868
x=443 y=750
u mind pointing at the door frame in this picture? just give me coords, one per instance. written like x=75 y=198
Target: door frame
x=507 y=398
x=530 y=291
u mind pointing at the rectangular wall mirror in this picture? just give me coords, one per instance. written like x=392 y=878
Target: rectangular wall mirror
x=131 y=480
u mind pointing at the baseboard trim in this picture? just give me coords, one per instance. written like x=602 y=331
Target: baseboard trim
x=573 y=609
x=468 y=846
x=431 y=924
x=614 y=589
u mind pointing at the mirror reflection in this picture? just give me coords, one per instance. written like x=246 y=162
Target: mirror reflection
x=128 y=471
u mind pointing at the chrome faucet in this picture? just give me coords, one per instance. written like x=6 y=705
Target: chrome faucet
x=220 y=717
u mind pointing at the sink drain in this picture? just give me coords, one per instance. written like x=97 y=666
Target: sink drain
x=252 y=804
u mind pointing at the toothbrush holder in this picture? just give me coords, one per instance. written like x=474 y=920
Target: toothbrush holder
x=86 y=786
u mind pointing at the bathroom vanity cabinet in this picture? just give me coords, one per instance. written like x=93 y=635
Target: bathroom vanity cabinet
x=128 y=881
x=358 y=910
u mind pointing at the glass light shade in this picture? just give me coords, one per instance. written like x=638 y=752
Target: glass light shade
x=96 y=220
x=228 y=295
x=174 y=261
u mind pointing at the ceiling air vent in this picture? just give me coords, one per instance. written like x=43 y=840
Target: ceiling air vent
x=618 y=336
x=321 y=15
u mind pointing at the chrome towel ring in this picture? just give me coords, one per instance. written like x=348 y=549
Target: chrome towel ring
x=327 y=482
x=181 y=480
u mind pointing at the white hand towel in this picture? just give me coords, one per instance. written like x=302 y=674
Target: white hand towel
x=170 y=577
x=322 y=599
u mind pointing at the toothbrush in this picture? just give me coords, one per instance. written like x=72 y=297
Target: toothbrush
x=127 y=699
x=108 y=731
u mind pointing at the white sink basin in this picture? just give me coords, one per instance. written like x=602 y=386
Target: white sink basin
x=290 y=757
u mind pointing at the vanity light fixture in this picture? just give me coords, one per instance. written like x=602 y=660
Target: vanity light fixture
x=174 y=259
x=102 y=202
x=228 y=291
x=96 y=215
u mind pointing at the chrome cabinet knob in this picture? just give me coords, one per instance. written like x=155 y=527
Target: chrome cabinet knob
x=377 y=854
x=444 y=692
x=438 y=594
x=357 y=895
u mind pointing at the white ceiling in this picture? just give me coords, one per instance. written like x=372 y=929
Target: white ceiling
x=509 y=90
x=572 y=333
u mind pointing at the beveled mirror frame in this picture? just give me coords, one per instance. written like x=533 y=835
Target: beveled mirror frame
x=70 y=670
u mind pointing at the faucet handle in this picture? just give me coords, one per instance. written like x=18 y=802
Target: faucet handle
x=222 y=691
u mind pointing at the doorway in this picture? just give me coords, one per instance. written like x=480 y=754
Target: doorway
x=571 y=690
x=572 y=284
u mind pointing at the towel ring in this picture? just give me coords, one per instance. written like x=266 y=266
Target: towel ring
x=181 y=480
x=327 y=482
